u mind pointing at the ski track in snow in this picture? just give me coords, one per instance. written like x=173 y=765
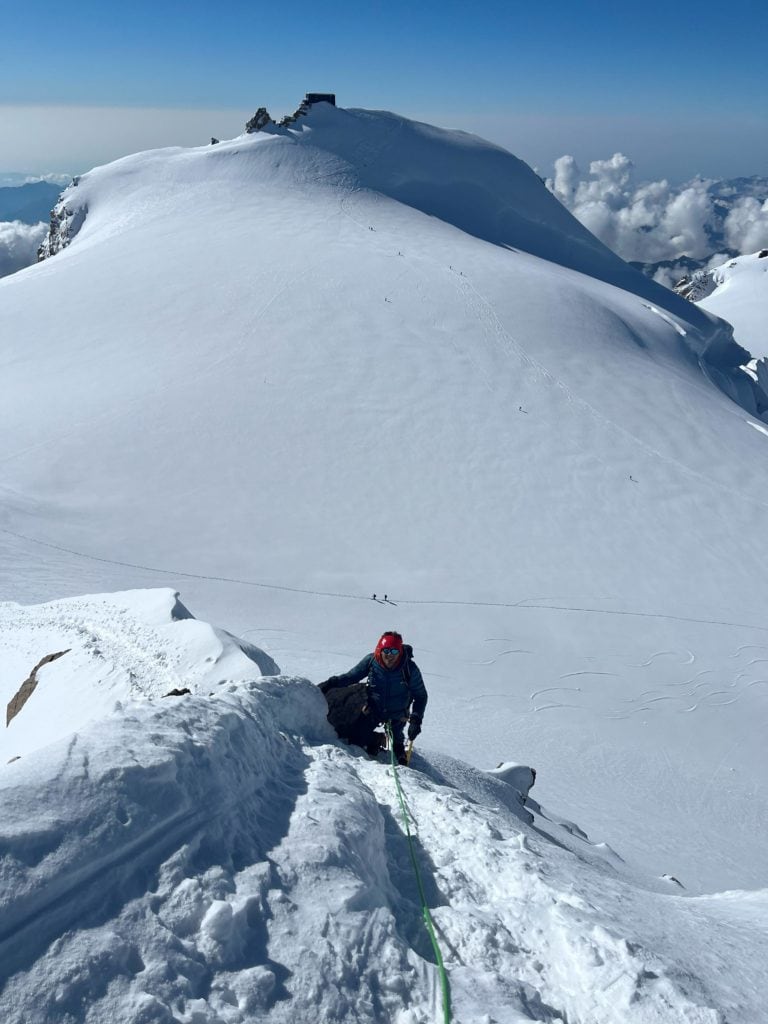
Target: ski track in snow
x=690 y=657
x=501 y=654
x=692 y=693
x=627 y=697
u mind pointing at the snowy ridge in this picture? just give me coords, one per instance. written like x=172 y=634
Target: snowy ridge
x=222 y=858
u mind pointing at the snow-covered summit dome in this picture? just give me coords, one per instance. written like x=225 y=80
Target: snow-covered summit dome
x=456 y=177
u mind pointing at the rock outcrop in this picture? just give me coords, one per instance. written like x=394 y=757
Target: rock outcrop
x=259 y=121
x=27 y=688
x=65 y=223
x=261 y=118
x=695 y=286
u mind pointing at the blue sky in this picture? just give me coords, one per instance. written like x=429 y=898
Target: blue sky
x=681 y=90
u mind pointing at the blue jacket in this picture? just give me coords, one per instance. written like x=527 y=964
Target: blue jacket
x=390 y=691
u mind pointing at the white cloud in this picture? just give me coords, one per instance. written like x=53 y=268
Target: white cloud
x=655 y=221
x=715 y=261
x=746 y=226
x=10 y=179
x=18 y=244
x=668 y=276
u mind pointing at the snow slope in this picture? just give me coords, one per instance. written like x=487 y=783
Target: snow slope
x=740 y=296
x=363 y=355
x=219 y=857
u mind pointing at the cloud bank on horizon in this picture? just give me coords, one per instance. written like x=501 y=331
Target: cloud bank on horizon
x=13 y=179
x=655 y=221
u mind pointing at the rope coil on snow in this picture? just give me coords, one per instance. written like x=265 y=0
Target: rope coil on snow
x=444 y=984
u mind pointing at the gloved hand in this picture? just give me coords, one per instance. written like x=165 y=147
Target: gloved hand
x=329 y=684
x=414 y=727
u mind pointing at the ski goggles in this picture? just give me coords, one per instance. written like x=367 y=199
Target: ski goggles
x=390 y=650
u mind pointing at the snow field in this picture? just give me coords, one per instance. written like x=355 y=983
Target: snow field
x=371 y=356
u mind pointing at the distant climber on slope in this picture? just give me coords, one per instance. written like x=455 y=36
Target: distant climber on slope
x=393 y=692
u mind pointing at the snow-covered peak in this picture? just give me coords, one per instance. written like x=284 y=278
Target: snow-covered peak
x=457 y=177
x=738 y=292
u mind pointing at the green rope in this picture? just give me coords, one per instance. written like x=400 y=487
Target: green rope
x=424 y=908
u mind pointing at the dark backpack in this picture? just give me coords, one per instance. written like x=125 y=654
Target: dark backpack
x=345 y=713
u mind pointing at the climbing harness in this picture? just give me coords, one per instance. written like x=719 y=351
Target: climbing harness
x=444 y=985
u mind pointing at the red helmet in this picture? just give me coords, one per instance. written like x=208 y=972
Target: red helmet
x=390 y=641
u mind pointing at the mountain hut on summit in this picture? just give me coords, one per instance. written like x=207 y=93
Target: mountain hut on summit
x=319 y=97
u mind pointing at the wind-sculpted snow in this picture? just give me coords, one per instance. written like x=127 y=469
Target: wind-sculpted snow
x=221 y=858
x=90 y=821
